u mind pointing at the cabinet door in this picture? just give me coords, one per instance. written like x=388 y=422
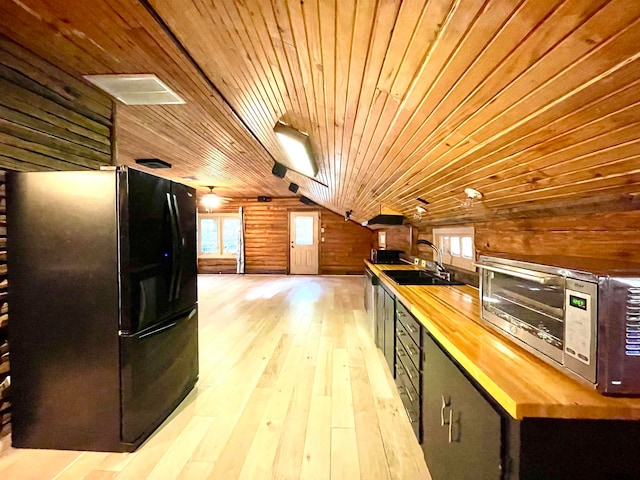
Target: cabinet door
x=390 y=332
x=461 y=430
x=379 y=300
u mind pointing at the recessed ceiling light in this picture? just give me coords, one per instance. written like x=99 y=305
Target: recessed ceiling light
x=139 y=89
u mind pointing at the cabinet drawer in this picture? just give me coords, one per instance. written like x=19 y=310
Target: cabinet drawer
x=411 y=325
x=412 y=408
x=406 y=349
x=413 y=386
x=408 y=369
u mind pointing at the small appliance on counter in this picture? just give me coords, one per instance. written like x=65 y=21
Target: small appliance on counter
x=580 y=315
x=381 y=255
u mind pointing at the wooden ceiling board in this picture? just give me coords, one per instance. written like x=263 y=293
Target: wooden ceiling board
x=511 y=124
x=602 y=117
x=442 y=126
x=185 y=136
x=532 y=102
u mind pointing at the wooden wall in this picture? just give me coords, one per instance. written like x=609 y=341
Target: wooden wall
x=398 y=238
x=5 y=405
x=49 y=120
x=603 y=235
x=267 y=239
x=611 y=235
x=345 y=245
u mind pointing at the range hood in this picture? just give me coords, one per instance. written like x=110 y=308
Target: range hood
x=386 y=218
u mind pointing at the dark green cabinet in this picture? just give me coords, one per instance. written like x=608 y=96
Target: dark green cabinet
x=380 y=316
x=385 y=325
x=409 y=366
x=390 y=331
x=467 y=435
x=462 y=431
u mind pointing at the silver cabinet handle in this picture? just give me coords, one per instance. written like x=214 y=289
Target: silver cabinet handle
x=407 y=391
x=408 y=374
x=411 y=328
x=450 y=426
x=408 y=415
x=411 y=350
x=446 y=402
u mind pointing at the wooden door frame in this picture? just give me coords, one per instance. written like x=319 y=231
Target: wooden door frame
x=319 y=232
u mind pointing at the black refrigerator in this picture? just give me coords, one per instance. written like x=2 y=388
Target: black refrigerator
x=104 y=326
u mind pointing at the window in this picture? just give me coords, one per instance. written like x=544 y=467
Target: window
x=304 y=230
x=457 y=246
x=218 y=235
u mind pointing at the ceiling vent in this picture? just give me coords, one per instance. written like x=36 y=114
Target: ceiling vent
x=144 y=89
x=152 y=163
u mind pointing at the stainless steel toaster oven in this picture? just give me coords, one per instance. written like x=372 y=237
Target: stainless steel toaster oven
x=581 y=315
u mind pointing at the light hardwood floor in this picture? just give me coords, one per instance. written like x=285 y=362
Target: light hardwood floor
x=291 y=386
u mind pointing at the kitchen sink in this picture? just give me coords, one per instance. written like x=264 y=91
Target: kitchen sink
x=417 y=277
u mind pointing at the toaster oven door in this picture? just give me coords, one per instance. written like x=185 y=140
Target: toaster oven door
x=527 y=305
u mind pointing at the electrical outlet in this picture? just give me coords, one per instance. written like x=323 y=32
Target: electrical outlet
x=322 y=240
x=423 y=263
x=416 y=261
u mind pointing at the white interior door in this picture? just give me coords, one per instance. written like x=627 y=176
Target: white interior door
x=303 y=249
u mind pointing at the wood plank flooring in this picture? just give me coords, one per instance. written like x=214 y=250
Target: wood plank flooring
x=291 y=387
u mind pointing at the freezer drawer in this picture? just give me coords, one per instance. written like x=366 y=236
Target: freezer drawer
x=158 y=369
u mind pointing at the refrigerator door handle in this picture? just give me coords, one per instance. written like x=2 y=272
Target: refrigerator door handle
x=174 y=241
x=180 y=247
x=155 y=330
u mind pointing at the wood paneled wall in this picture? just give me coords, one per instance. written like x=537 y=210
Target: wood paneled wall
x=49 y=120
x=398 y=238
x=603 y=235
x=611 y=235
x=5 y=405
x=267 y=239
x=345 y=245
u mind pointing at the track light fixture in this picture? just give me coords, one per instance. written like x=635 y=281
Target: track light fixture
x=298 y=148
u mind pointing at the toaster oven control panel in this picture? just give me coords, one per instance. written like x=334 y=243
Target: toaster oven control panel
x=580 y=327
x=577 y=341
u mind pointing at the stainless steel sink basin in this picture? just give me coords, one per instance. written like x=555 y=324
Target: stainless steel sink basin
x=417 y=277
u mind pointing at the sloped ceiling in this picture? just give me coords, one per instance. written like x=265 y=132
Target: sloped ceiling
x=531 y=102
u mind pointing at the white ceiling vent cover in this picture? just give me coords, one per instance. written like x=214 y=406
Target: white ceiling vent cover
x=143 y=89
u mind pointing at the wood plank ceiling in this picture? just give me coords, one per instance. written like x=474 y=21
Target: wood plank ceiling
x=531 y=102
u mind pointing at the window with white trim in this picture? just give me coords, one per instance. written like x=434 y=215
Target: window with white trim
x=218 y=235
x=457 y=246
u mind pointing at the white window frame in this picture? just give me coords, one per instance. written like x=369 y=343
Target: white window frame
x=219 y=217
x=458 y=261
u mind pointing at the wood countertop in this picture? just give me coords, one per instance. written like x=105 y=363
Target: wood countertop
x=521 y=383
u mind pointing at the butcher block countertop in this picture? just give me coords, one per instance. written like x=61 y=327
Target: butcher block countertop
x=522 y=384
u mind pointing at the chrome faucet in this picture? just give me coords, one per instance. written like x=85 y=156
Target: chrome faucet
x=440 y=270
